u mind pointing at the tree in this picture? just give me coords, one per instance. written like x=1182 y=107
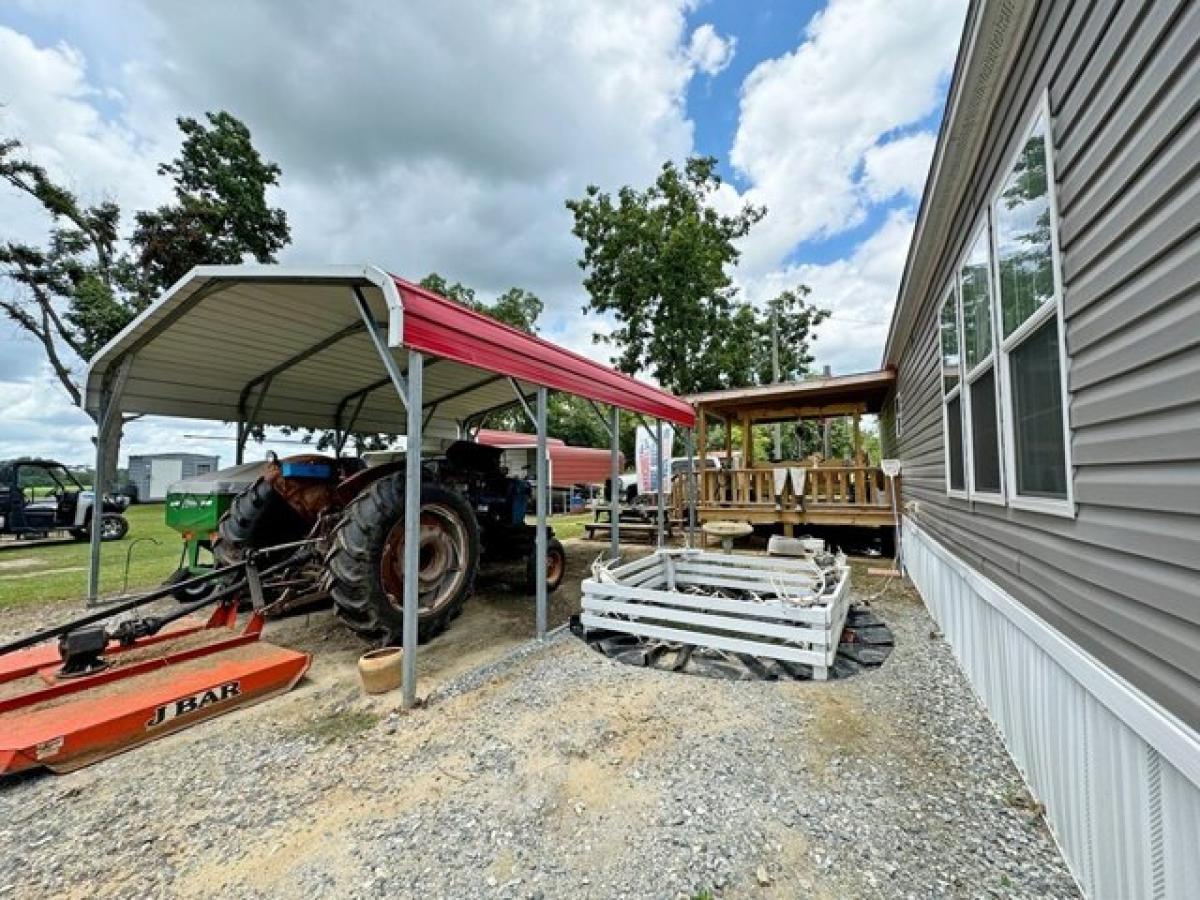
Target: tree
x=74 y=294
x=71 y=294
x=516 y=306
x=220 y=214
x=658 y=260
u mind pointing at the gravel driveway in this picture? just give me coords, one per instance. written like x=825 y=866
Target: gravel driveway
x=551 y=771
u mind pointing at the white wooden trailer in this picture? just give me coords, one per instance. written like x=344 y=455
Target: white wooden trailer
x=797 y=617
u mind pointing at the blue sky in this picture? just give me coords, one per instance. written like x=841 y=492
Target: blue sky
x=449 y=139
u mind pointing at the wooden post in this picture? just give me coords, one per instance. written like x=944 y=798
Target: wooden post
x=857 y=440
x=747 y=442
x=728 y=443
x=702 y=449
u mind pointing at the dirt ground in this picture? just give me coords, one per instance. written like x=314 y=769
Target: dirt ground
x=550 y=771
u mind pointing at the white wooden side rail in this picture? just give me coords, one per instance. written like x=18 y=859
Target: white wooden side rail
x=799 y=619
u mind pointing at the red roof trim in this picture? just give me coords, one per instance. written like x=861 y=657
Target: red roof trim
x=436 y=325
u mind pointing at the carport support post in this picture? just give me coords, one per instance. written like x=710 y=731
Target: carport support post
x=412 y=523
x=543 y=499
x=108 y=416
x=662 y=479
x=689 y=449
x=614 y=513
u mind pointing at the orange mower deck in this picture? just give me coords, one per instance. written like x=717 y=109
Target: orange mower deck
x=186 y=674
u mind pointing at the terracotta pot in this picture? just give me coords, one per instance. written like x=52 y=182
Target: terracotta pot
x=380 y=670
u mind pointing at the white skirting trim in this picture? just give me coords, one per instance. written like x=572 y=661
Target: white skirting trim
x=1118 y=774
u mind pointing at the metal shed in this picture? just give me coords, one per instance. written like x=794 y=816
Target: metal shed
x=352 y=349
x=154 y=473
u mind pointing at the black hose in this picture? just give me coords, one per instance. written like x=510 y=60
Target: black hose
x=134 y=602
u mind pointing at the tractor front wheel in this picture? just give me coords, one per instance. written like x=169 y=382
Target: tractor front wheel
x=366 y=562
x=257 y=518
x=556 y=567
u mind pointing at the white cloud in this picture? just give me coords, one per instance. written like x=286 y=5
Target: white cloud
x=898 y=167
x=709 y=52
x=446 y=137
x=860 y=290
x=48 y=103
x=810 y=118
x=437 y=137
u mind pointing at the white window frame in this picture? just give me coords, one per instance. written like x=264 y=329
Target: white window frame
x=952 y=293
x=969 y=376
x=1004 y=346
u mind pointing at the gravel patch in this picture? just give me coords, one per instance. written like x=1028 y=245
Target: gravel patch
x=551 y=771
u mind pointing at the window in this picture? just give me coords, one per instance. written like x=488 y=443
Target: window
x=1002 y=352
x=1037 y=414
x=952 y=410
x=1030 y=343
x=975 y=291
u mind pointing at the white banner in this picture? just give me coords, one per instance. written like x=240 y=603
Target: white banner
x=646 y=455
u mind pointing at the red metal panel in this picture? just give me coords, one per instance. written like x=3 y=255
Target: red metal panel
x=441 y=327
x=580 y=465
x=492 y=437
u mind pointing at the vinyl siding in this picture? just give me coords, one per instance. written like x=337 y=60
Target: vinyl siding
x=1122 y=578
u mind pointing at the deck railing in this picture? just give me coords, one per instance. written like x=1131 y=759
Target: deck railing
x=823 y=486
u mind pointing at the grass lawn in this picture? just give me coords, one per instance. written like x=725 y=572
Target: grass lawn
x=566 y=526
x=59 y=571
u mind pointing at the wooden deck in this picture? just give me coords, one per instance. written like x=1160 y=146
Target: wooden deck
x=767 y=494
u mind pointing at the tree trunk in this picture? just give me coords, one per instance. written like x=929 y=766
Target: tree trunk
x=112 y=451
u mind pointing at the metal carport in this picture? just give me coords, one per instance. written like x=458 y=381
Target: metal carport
x=352 y=349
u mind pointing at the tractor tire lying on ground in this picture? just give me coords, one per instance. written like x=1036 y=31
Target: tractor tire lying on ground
x=556 y=567
x=257 y=518
x=365 y=564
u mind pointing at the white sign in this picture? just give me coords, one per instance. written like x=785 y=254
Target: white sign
x=646 y=456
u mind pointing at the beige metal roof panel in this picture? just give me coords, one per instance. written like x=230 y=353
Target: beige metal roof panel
x=289 y=343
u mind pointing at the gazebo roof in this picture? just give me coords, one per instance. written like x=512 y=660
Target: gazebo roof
x=863 y=392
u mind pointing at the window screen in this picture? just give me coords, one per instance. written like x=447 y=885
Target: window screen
x=985 y=437
x=954 y=443
x=1037 y=414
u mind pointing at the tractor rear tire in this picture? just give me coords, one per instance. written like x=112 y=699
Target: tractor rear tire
x=365 y=563
x=257 y=518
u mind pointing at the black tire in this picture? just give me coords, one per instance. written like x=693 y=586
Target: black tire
x=362 y=563
x=257 y=518
x=113 y=527
x=191 y=594
x=556 y=567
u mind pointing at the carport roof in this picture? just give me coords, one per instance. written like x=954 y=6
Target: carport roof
x=290 y=343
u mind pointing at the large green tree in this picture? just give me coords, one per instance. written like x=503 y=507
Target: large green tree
x=516 y=306
x=73 y=293
x=772 y=344
x=658 y=260
x=220 y=215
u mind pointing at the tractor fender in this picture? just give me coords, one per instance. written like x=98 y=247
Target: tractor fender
x=309 y=497
x=360 y=481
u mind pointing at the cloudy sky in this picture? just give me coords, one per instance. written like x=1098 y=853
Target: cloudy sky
x=446 y=136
